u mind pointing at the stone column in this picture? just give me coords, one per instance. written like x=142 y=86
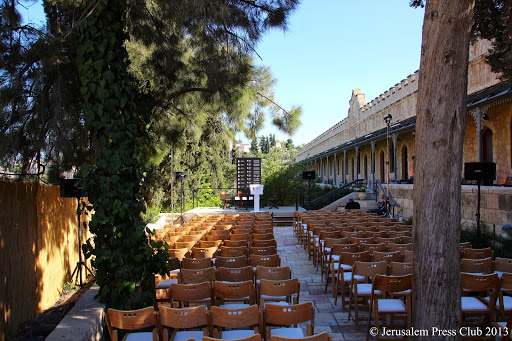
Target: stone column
x=327 y=169
x=395 y=138
x=335 y=169
x=373 y=163
x=344 y=167
x=358 y=166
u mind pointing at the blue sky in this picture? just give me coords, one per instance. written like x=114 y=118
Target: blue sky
x=333 y=46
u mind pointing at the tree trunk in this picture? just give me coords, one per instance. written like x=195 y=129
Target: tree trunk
x=440 y=125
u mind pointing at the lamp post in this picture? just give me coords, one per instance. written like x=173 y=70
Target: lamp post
x=388 y=119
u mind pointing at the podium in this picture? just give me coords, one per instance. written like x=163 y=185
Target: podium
x=256 y=190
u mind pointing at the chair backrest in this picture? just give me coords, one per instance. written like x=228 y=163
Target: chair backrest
x=229 y=251
x=264 y=243
x=324 y=336
x=245 y=273
x=387 y=256
x=191 y=317
x=329 y=242
x=394 y=240
x=242 y=236
x=178 y=253
x=191 y=292
x=254 y=337
x=197 y=263
x=265 y=260
x=223 y=233
x=240 y=230
x=349 y=258
x=407 y=256
x=360 y=241
x=204 y=252
x=369 y=269
x=129 y=320
x=184 y=245
x=288 y=315
x=338 y=249
x=392 y=247
x=234 y=291
x=480 y=283
x=264 y=236
x=189 y=276
x=372 y=247
x=506 y=281
x=236 y=318
x=391 y=284
x=286 y=287
x=477 y=253
x=484 y=266
x=231 y=262
x=262 y=251
x=236 y=243
x=400 y=269
x=503 y=264
x=273 y=273
x=211 y=243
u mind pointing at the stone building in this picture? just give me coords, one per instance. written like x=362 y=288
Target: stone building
x=357 y=147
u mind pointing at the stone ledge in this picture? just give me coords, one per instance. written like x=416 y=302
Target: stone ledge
x=83 y=322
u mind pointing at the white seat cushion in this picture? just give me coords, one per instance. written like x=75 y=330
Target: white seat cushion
x=347 y=277
x=287 y=332
x=166 y=283
x=472 y=303
x=391 y=305
x=277 y=303
x=234 y=305
x=197 y=335
x=147 y=336
x=507 y=302
x=365 y=289
x=236 y=334
x=276 y=298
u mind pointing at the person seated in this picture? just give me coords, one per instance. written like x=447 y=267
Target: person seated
x=352 y=205
x=383 y=204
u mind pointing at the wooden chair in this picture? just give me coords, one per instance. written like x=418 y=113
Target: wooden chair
x=324 y=336
x=285 y=291
x=381 y=247
x=263 y=260
x=264 y=236
x=197 y=263
x=189 y=323
x=235 y=319
x=288 y=316
x=380 y=304
x=363 y=288
x=243 y=274
x=244 y=237
x=262 y=251
x=343 y=276
x=475 y=265
x=502 y=265
x=326 y=250
x=477 y=253
x=474 y=305
x=504 y=327
x=395 y=240
x=184 y=294
x=212 y=243
x=178 y=253
x=407 y=256
x=190 y=276
x=392 y=247
x=332 y=265
x=503 y=302
x=185 y=245
x=231 y=262
x=132 y=320
x=387 y=256
x=359 y=241
x=204 y=252
x=226 y=293
x=228 y=251
x=264 y=243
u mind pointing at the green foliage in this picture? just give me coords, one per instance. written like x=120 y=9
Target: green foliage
x=151 y=215
x=487 y=239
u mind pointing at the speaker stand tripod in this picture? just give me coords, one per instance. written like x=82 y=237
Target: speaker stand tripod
x=78 y=268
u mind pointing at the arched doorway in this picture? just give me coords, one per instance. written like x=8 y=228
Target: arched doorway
x=405 y=164
x=382 y=167
x=487 y=145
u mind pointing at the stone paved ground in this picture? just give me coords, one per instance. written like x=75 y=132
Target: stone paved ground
x=328 y=317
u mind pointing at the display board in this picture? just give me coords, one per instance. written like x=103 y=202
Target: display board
x=248 y=172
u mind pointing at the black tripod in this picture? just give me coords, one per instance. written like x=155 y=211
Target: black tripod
x=80 y=263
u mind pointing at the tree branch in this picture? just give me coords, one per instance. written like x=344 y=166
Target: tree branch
x=268 y=99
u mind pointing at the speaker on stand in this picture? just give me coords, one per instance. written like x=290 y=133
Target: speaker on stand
x=309 y=175
x=481 y=172
x=181 y=176
x=72 y=188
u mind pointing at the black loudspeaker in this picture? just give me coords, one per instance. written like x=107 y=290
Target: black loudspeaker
x=309 y=175
x=71 y=188
x=181 y=176
x=485 y=171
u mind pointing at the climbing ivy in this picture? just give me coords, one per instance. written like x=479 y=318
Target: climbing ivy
x=114 y=180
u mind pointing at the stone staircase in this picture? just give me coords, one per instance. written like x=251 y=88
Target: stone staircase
x=366 y=204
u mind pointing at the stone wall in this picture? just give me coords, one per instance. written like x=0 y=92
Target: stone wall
x=495 y=204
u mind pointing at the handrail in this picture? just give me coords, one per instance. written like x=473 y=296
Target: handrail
x=333 y=192
x=388 y=198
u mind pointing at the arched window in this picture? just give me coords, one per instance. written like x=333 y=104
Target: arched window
x=405 y=164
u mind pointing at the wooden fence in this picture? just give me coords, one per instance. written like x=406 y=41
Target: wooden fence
x=38 y=250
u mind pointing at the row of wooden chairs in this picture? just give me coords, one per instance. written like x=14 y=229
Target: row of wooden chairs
x=247 y=324
x=486 y=265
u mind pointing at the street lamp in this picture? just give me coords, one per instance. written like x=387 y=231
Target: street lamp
x=388 y=119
